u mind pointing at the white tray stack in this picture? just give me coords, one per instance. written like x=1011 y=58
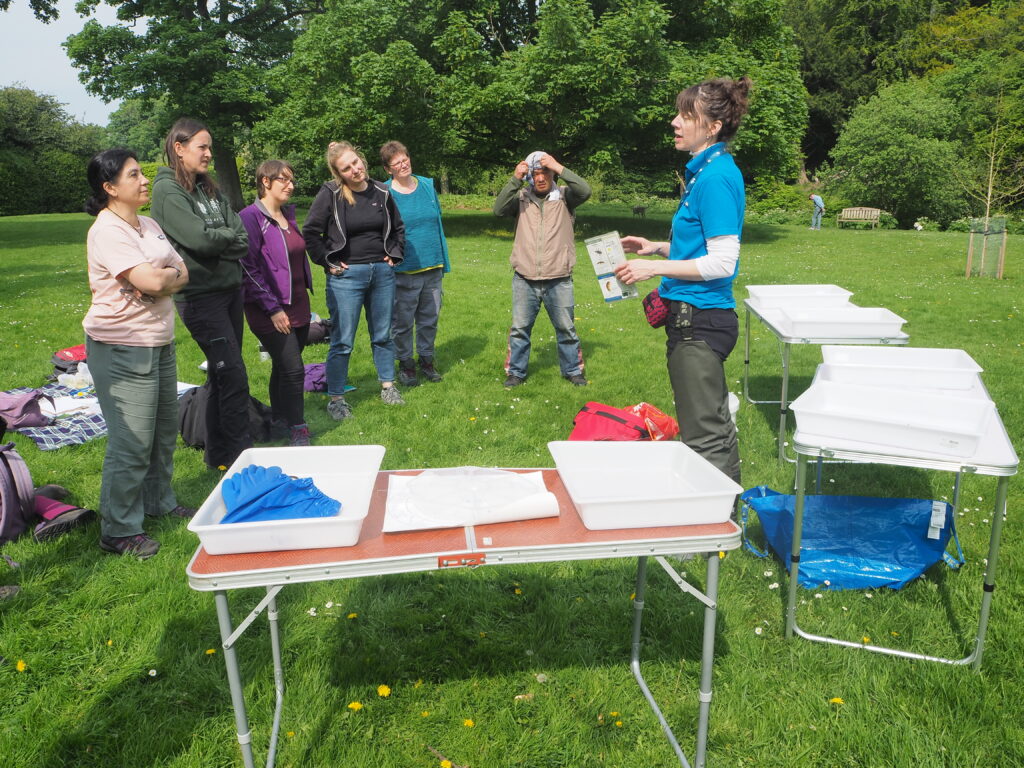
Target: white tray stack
x=901 y=399
x=822 y=312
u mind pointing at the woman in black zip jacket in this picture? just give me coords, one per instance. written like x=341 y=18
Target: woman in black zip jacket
x=355 y=233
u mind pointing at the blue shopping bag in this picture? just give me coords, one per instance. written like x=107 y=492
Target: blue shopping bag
x=854 y=542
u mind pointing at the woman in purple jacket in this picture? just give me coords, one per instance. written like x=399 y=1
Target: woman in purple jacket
x=275 y=280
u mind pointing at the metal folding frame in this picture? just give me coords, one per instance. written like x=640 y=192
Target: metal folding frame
x=999 y=460
x=751 y=307
x=707 y=541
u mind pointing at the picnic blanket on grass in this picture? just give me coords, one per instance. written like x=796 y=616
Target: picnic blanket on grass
x=72 y=428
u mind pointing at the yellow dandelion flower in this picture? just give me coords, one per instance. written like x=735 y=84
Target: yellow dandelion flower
x=518 y=591
x=472 y=418
x=836 y=700
x=290 y=734
x=351 y=615
x=895 y=634
x=355 y=706
x=613 y=714
x=632 y=596
x=110 y=642
x=417 y=684
x=468 y=723
x=424 y=713
x=222 y=468
x=721 y=555
x=383 y=691
x=865 y=639
x=483 y=634
x=618 y=723
x=446 y=764
x=21 y=666
x=210 y=651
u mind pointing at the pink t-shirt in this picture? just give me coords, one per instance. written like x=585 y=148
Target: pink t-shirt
x=114 y=247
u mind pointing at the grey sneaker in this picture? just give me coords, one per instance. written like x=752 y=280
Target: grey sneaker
x=339 y=410
x=7 y=591
x=513 y=381
x=577 y=380
x=391 y=395
x=140 y=545
x=430 y=373
x=407 y=373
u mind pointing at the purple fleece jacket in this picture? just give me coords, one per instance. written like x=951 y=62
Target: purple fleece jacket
x=266 y=275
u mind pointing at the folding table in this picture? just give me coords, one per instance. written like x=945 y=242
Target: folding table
x=545 y=540
x=773 y=319
x=994 y=456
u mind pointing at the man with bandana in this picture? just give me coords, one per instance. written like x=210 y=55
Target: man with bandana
x=543 y=256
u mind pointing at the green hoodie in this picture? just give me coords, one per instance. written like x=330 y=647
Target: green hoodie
x=205 y=232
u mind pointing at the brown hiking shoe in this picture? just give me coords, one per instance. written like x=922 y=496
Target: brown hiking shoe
x=140 y=545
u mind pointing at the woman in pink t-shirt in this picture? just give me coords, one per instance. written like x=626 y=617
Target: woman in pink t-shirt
x=133 y=271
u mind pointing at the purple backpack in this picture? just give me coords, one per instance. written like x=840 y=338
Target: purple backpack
x=17 y=497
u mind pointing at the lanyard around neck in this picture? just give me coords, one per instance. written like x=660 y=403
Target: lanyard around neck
x=693 y=179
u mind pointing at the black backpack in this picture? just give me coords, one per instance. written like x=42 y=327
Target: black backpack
x=192 y=417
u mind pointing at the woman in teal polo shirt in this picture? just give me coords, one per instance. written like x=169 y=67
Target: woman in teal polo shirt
x=701 y=262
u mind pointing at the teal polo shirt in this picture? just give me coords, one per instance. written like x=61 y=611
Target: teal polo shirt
x=714 y=207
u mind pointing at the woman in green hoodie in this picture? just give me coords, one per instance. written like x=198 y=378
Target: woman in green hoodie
x=211 y=239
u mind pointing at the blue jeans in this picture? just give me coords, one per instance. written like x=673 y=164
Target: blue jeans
x=557 y=297
x=816 y=218
x=361 y=285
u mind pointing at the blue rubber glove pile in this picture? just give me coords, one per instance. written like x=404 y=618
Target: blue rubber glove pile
x=266 y=493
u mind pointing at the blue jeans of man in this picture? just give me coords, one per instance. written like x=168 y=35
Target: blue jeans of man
x=557 y=297
x=369 y=286
x=816 y=218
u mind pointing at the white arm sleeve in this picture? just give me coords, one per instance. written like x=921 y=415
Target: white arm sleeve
x=723 y=252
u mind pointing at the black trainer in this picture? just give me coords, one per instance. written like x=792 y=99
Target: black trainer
x=513 y=381
x=407 y=373
x=430 y=373
x=577 y=380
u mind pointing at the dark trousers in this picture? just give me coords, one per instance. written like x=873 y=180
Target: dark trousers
x=698 y=343
x=215 y=322
x=287 y=374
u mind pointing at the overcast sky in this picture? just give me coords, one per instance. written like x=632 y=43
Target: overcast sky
x=31 y=56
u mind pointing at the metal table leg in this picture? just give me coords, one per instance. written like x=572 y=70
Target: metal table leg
x=234 y=679
x=784 y=401
x=798 y=524
x=707 y=651
x=988 y=588
x=229 y=636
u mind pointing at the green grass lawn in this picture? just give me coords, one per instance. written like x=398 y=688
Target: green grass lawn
x=535 y=656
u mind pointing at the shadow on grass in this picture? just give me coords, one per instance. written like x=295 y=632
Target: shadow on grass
x=440 y=627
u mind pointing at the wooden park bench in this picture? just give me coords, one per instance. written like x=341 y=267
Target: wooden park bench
x=858 y=215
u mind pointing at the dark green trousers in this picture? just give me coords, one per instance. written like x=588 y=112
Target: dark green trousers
x=702 y=404
x=137 y=391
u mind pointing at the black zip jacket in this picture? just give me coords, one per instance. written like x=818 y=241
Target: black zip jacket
x=324 y=227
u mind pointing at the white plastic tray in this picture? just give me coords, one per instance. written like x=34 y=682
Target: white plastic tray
x=346 y=473
x=922 y=380
x=898 y=418
x=774 y=296
x=642 y=484
x=839 y=322
x=919 y=367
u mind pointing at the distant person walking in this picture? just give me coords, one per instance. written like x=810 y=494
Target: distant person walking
x=133 y=271
x=210 y=237
x=418 y=278
x=819 y=210
x=275 y=285
x=543 y=256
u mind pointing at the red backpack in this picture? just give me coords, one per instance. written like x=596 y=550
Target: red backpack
x=597 y=421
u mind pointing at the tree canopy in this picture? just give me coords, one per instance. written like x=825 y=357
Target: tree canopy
x=591 y=82
x=209 y=59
